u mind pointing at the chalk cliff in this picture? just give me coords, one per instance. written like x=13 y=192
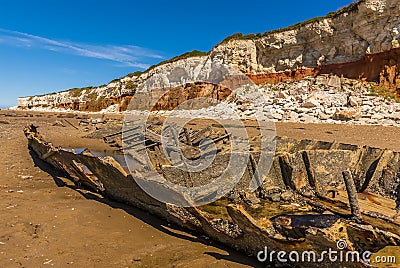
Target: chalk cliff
x=360 y=41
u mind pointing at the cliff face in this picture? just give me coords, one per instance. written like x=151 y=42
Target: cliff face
x=372 y=26
x=360 y=41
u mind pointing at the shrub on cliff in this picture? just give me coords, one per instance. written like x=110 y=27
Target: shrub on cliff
x=194 y=53
x=131 y=85
x=348 y=9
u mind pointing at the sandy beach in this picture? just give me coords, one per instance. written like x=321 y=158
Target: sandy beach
x=47 y=221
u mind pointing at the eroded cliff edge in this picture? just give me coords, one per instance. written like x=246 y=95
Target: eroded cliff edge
x=361 y=41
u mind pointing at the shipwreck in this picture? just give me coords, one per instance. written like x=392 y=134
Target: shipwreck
x=315 y=193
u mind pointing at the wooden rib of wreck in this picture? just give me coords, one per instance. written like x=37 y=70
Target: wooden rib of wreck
x=302 y=204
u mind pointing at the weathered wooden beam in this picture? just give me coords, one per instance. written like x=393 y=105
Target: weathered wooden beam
x=216 y=140
x=352 y=194
x=188 y=139
x=201 y=134
x=69 y=123
x=120 y=132
x=48 y=154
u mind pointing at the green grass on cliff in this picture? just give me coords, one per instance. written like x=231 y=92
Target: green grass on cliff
x=191 y=54
x=348 y=9
x=131 y=85
x=76 y=92
x=137 y=73
x=239 y=36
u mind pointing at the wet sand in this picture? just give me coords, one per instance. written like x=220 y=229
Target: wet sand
x=46 y=221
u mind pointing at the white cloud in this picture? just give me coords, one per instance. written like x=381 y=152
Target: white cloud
x=126 y=55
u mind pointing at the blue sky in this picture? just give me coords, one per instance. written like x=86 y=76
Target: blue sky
x=48 y=46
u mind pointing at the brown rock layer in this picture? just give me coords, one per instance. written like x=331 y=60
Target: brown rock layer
x=380 y=67
x=167 y=99
x=291 y=75
x=178 y=95
x=97 y=105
